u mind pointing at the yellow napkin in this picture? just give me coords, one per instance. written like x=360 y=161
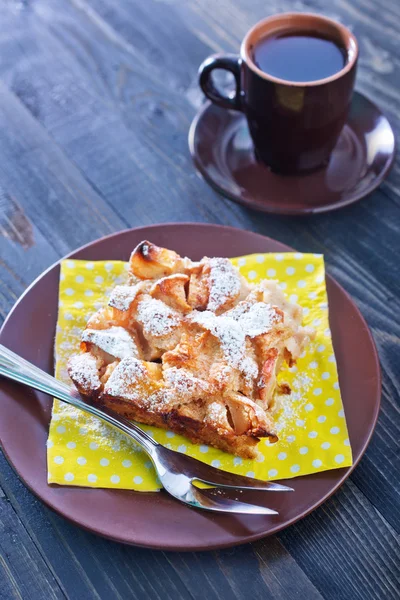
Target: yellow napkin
x=313 y=437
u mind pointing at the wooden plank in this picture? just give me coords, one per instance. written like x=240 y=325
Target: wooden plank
x=266 y=571
x=281 y=573
x=377 y=476
x=23 y=571
x=346 y=548
x=117 y=159
x=24 y=253
x=154 y=34
x=96 y=104
x=51 y=193
x=161 y=204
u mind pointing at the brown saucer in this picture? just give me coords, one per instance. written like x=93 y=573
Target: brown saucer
x=156 y=520
x=222 y=151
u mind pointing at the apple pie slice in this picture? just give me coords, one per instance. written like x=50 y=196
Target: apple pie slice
x=192 y=347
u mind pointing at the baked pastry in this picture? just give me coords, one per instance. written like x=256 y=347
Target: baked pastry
x=192 y=347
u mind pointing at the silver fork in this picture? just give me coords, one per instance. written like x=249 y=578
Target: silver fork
x=176 y=472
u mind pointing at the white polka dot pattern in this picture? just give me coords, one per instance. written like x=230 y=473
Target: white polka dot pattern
x=82 y=451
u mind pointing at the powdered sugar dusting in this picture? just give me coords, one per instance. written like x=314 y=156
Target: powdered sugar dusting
x=126 y=381
x=184 y=383
x=224 y=283
x=292 y=404
x=102 y=433
x=255 y=319
x=123 y=380
x=232 y=338
x=115 y=341
x=216 y=413
x=156 y=317
x=302 y=383
x=122 y=296
x=232 y=328
x=83 y=370
x=221 y=374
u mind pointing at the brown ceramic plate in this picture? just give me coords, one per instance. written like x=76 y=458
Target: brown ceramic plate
x=222 y=151
x=156 y=520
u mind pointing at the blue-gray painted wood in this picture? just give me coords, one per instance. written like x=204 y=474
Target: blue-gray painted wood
x=96 y=98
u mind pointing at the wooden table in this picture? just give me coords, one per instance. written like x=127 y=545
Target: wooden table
x=96 y=98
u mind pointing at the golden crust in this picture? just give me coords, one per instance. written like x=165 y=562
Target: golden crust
x=199 y=290
x=218 y=344
x=182 y=422
x=216 y=285
x=149 y=261
x=172 y=291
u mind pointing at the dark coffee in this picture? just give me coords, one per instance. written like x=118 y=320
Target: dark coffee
x=299 y=57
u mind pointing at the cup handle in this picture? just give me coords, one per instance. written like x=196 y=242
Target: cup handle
x=228 y=62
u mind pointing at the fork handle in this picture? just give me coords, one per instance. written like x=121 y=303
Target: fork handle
x=18 y=369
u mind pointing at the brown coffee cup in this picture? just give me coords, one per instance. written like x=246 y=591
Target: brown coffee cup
x=294 y=125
